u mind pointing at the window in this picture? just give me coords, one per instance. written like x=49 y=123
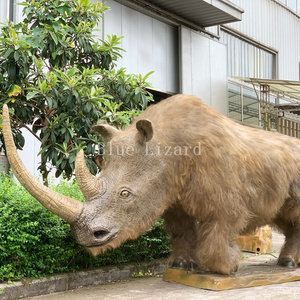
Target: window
x=243 y=104
x=293 y=5
x=247 y=59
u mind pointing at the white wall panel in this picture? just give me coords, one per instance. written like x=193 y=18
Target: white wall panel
x=160 y=49
x=145 y=45
x=112 y=17
x=150 y=45
x=201 y=76
x=218 y=77
x=130 y=41
x=4 y=10
x=18 y=11
x=203 y=69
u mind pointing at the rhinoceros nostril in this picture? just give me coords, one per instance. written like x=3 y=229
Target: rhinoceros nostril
x=100 y=234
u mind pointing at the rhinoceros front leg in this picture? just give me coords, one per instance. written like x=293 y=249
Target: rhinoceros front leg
x=201 y=247
x=183 y=232
x=216 y=249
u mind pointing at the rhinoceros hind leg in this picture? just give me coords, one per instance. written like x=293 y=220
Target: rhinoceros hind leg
x=286 y=262
x=288 y=221
x=289 y=255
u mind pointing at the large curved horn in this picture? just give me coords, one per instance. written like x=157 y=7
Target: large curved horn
x=88 y=184
x=63 y=206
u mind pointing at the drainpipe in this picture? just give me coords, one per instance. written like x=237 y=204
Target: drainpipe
x=11 y=10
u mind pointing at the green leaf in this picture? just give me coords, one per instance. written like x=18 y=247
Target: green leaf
x=147 y=75
x=45 y=138
x=49 y=101
x=71 y=132
x=58 y=173
x=44 y=149
x=16 y=55
x=53 y=138
x=12 y=71
x=20 y=140
x=71 y=72
x=31 y=95
x=14 y=90
x=56 y=26
x=8 y=53
x=54 y=37
x=65 y=10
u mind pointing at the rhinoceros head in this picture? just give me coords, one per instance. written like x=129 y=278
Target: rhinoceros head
x=122 y=203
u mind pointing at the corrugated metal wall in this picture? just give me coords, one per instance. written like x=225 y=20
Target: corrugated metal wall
x=274 y=26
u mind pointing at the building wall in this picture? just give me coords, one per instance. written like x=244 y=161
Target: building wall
x=4 y=10
x=203 y=68
x=149 y=44
x=273 y=25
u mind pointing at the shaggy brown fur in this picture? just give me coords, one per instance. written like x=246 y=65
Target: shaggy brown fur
x=210 y=178
x=243 y=179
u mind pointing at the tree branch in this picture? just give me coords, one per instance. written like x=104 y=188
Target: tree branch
x=34 y=134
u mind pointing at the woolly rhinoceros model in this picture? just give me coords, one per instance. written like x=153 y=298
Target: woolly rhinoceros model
x=208 y=177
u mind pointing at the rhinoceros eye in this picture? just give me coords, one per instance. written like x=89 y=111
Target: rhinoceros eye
x=125 y=194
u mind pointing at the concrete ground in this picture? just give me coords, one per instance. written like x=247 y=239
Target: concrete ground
x=155 y=288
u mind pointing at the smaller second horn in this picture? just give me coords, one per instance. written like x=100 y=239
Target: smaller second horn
x=89 y=185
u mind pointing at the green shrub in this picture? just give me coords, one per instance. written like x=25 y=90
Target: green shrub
x=35 y=243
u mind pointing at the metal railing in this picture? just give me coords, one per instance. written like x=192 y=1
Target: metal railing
x=244 y=106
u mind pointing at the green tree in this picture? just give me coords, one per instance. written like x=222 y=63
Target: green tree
x=57 y=76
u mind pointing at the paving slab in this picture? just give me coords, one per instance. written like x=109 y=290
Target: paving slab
x=156 y=289
x=147 y=288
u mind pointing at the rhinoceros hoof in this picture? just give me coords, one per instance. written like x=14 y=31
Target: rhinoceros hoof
x=286 y=262
x=180 y=263
x=193 y=267
x=235 y=269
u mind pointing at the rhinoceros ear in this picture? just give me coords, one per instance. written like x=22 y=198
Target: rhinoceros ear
x=105 y=130
x=145 y=130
